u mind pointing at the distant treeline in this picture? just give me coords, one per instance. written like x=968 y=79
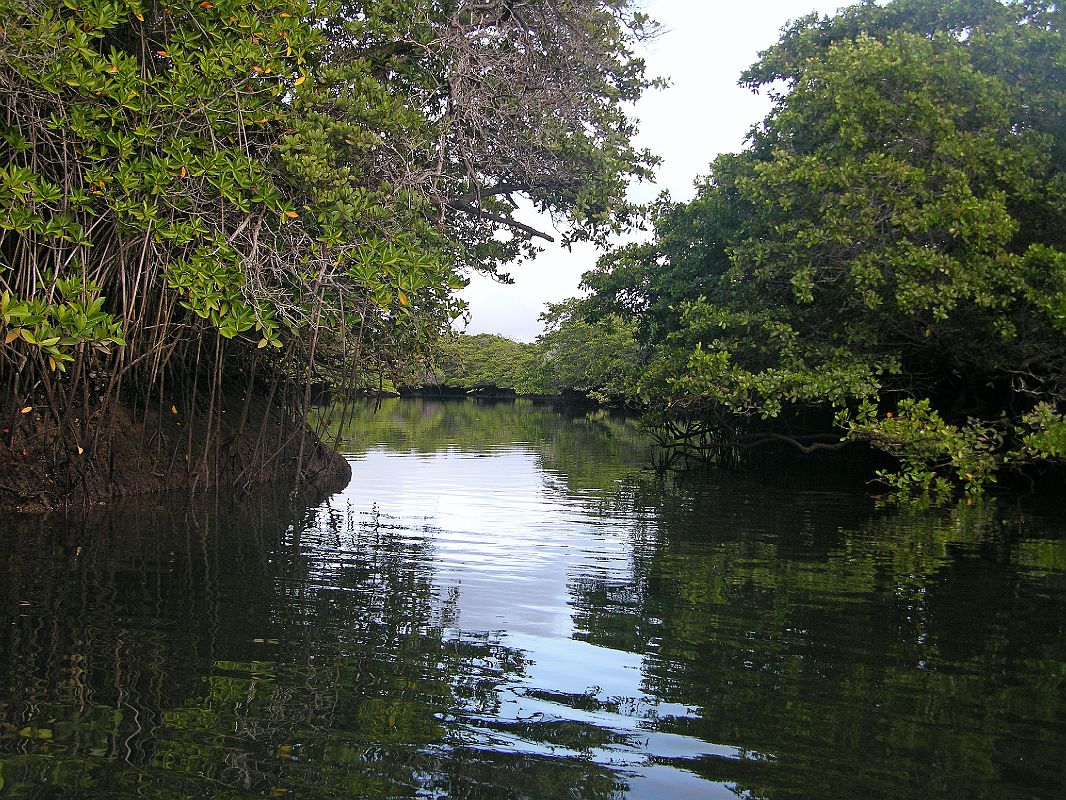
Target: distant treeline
x=599 y=360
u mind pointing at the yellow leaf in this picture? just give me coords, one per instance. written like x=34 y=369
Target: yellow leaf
x=162 y=53
x=27 y=409
x=113 y=69
x=139 y=16
x=291 y=214
x=12 y=335
x=299 y=80
x=183 y=172
x=403 y=299
x=173 y=409
x=262 y=343
x=80 y=449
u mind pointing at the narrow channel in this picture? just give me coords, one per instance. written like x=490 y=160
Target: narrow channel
x=508 y=602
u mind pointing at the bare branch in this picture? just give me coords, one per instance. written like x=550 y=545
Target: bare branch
x=509 y=222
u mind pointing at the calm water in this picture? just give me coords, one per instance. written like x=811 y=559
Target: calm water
x=505 y=604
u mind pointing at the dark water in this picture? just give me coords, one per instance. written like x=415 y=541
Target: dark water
x=504 y=605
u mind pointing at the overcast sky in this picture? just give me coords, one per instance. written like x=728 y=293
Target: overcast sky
x=705 y=46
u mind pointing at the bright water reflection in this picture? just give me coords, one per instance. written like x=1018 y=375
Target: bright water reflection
x=503 y=604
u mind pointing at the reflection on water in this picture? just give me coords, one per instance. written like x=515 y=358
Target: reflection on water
x=504 y=604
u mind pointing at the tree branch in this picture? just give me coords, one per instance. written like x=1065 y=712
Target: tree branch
x=489 y=191
x=480 y=213
x=757 y=439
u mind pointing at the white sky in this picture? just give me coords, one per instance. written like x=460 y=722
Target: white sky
x=705 y=46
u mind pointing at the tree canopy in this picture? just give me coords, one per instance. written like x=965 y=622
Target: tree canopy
x=887 y=252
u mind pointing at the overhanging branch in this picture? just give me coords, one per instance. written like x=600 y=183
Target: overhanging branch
x=480 y=213
x=804 y=443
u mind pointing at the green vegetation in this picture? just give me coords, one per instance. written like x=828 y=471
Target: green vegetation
x=598 y=359
x=885 y=263
x=204 y=201
x=487 y=360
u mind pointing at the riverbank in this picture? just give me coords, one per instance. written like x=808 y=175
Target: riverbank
x=147 y=451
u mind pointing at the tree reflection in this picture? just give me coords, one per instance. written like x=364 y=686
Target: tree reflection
x=590 y=450
x=787 y=641
x=230 y=653
x=861 y=654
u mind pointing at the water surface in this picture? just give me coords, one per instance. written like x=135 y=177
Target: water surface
x=506 y=603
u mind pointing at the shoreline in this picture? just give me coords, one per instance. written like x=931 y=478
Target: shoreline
x=148 y=455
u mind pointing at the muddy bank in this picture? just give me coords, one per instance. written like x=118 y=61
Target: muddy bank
x=159 y=449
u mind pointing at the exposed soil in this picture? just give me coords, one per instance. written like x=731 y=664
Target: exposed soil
x=160 y=450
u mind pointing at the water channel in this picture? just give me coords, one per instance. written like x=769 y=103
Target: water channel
x=507 y=602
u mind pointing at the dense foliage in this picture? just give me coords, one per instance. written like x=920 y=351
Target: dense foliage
x=486 y=361
x=196 y=193
x=597 y=359
x=886 y=261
